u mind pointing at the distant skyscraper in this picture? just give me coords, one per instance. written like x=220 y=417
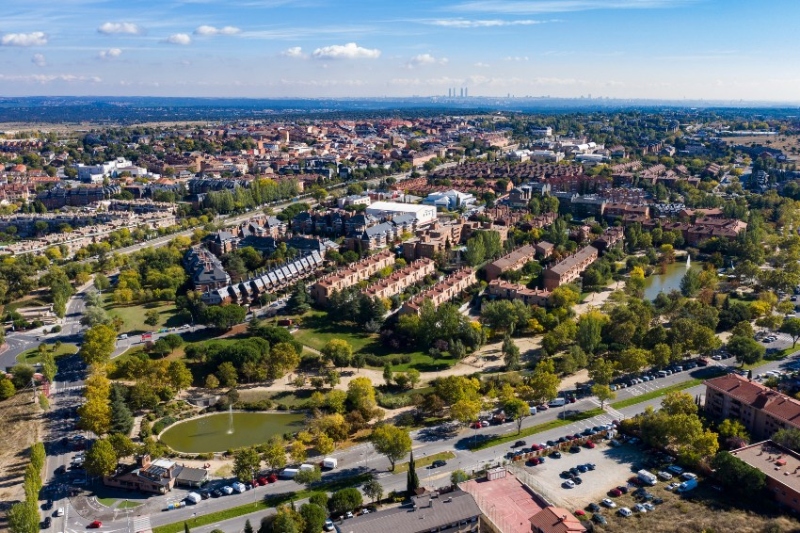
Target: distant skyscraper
x=465 y=92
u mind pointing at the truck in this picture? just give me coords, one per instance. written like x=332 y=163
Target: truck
x=330 y=463
x=687 y=485
x=647 y=477
x=289 y=473
x=194 y=498
x=306 y=466
x=558 y=402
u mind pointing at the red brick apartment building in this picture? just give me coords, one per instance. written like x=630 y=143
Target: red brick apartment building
x=763 y=411
x=350 y=275
x=570 y=269
x=443 y=291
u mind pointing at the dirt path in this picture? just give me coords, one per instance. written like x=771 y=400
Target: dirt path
x=597 y=299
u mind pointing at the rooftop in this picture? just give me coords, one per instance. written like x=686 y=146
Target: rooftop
x=760 y=397
x=505 y=501
x=776 y=462
x=449 y=509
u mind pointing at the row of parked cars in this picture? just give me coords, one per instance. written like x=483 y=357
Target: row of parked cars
x=226 y=490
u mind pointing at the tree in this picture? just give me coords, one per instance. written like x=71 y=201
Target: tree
x=309 y=476
x=314 y=517
x=518 y=410
x=246 y=462
x=373 y=489
x=603 y=393
x=179 y=375
x=23 y=517
x=283 y=358
x=101 y=459
x=151 y=317
x=274 y=453
x=7 y=389
x=212 y=382
x=391 y=441
x=590 y=329
x=298 y=302
x=227 y=374
x=732 y=428
x=223 y=316
x=324 y=444
x=543 y=382
x=338 y=351
x=746 y=350
x=412 y=480
x=458 y=476
x=122 y=444
x=345 y=500
x=791 y=326
x=465 y=411
x=298 y=452
x=95 y=415
x=510 y=354
x=94 y=316
x=788 y=438
x=99 y=343
x=248 y=527
x=738 y=477
x=633 y=359
x=361 y=397
x=690 y=283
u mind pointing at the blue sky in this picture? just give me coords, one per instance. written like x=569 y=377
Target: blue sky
x=711 y=49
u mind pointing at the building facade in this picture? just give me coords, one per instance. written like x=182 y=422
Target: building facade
x=350 y=275
x=569 y=269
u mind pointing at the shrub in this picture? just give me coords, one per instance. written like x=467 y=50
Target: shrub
x=159 y=426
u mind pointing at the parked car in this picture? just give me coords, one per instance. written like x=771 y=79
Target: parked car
x=556 y=455
x=649 y=506
x=639 y=508
x=47 y=523
x=673 y=485
x=438 y=463
x=59 y=511
x=599 y=519
x=623 y=489
x=590 y=466
x=348 y=514
x=675 y=469
x=664 y=476
x=568 y=484
x=608 y=503
x=589 y=444
x=518 y=444
x=615 y=492
x=624 y=512
x=328 y=526
x=575 y=449
x=594 y=507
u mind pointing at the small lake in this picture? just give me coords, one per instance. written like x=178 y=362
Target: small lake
x=668 y=281
x=224 y=431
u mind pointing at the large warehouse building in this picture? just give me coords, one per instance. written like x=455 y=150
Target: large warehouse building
x=425 y=214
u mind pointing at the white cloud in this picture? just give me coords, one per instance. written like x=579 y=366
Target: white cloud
x=39 y=60
x=48 y=78
x=481 y=64
x=37 y=38
x=464 y=23
x=179 y=38
x=110 y=28
x=346 y=51
x=530 y=7
x=295 y=52
x=212 y=30
x=111 y=53
x=515 y=58
x=425 y=60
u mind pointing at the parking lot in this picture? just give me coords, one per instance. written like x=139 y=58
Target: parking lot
x=613 y=466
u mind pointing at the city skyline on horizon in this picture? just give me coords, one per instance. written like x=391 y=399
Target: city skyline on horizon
x=621 y=49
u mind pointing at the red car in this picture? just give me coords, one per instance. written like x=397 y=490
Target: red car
x=533 y=461
x=476 y=425
x=97 y=524
x=615 y=492
x=623 y=489
x=262 y=480
x=272 y=478
x=589 y=444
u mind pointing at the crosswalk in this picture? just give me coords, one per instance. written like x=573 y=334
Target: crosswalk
x=141 y=524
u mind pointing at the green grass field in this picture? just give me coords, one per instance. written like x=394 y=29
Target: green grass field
x=32 y=356
x=135 y=315
x=423 y=462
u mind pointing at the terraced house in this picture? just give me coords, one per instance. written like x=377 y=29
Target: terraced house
x=348 y=276
x=570 y=269
x=401 y=279
x=444 y=291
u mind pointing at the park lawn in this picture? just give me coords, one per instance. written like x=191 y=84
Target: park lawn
x=32 y=356
x=29 y=300
x=424 y=461
x=127 y=504
x=527 y=432
x=316 y=330
x=108 y=502
x=134 y=315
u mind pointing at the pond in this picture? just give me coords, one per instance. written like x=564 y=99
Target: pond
x=668 y=281
x=224 y=431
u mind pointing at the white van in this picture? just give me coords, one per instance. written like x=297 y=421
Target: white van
x=558 y=402
x=662 y=373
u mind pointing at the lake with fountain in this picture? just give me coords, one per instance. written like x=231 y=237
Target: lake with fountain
x=223 y=431
x=669 y=280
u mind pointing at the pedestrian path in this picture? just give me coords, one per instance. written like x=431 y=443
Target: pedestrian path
x=141 y=524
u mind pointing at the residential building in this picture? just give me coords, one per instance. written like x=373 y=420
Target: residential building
x=158 y=477
x=555 y=520
x=780 y=465
x=450 y=512
x=205 y=269
x=399 y=280
x=513 y=261
x=353 y=200
x=570 y=268
x=444 y=291
x=609 y=238
x=280 y=277
x=434 y=239
x=544 y=249
x=450 y=200
x=424 y=214
x=512 y=291
x=763 y=411
x=350 y=275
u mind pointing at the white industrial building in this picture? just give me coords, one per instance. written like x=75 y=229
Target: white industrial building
x=110 y=169
x=451 y=199
x=424 y=214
